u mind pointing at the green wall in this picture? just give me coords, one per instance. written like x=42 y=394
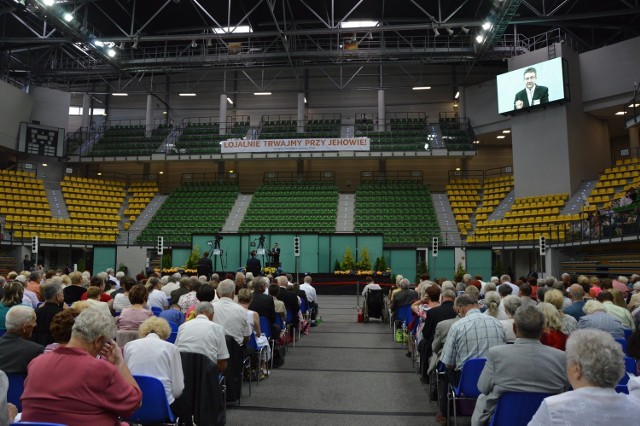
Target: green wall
x=104 y=258
x=479 y=263
x=443 y=265
x=179 y=256
x=402 y=262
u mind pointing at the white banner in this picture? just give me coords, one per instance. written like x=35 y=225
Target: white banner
x=290 y=145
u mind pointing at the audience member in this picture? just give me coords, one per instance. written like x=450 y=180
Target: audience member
x=189 y=299
x=11 y=296
x=274 y=292
x=371 y=285
x=184 y=288
x=54 y=298
x=121 y=300
x=133 y=316
x=93 y=299
x=157 y=298
x=503 y=371
x=576 y=294
x=173 y=314
x=569 y=323
x=97 y=282
x=151 y=355
x=436 y=315
x=289 y=299
x=595 y=364
x=29 y=298
x=525 y=295
x=471 y=337
x=506 y=279
x=35 y=277
x=511 y=304
x=60 y=328
x=230 y=315
x=552 y=334
x=405 y=296
x=16 y=347
x=492 y=302
x=623 y=314
x=244 y=299
x=596 y=316
x=96 y=392
x=202 y=335
x=74 y=292
x=173 y=283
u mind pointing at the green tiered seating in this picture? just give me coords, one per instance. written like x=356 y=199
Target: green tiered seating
x=287 y=129
x=199 y=207
x=456 y=135
x=401 y=210
x=204 y=138
x=404 y=134
x=129 y=141
x=292 y=206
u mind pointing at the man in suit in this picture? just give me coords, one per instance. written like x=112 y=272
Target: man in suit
x=16 y=348
x=205 y=266
x=253 y=264
x=263 y=304
x=289 y=299
x=576 y=294
x=532 y=94
x=436 y=315
x=506 y=367
x=275 y=255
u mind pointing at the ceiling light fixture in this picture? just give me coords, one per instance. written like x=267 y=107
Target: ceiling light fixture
x=486 y=26
x=229 y=100
x=479 y=38
x=450 y=31
x=436 y=32
x=421 y=88
x=68 y=17
x=465 y=30
x=262 y=93
x=500 y=137
x=506 y=131
x=111 y=53
x=186 y=94
x=457 y=95
x=621 y=113
x=48 y=2
x=194 y=44
x=119 y=94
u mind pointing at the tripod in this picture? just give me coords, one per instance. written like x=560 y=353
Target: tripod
x=216 y=252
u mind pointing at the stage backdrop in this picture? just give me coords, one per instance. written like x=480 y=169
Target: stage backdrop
x=318 y=251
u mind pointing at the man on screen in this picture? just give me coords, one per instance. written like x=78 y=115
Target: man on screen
x=532 y=94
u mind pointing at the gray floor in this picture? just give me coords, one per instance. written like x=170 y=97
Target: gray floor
x=342 y=373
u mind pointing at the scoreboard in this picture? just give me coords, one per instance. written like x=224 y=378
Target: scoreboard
x=41 y=140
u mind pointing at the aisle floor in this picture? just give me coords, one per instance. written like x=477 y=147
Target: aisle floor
x=342 y=373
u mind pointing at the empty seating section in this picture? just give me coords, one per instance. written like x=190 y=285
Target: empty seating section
x=456 y=134
x=494 y=191
x=464 y=196
x=401 y=134
x=205 y=137
x=528 y=219
x=141 y=194
x=195 y=207
x=613 y=182
x=94 y=205
x=125 y=140
x=23 y=202
x=288 y=128
x=402 y=210
x=292 y=206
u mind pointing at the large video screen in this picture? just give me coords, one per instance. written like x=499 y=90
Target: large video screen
x=532 y=86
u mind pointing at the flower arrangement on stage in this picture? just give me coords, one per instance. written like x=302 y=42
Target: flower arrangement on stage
x=349 y=266
x=269 y=270
x=174 y=269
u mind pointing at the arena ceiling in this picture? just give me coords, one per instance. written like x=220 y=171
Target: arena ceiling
x=67 y=42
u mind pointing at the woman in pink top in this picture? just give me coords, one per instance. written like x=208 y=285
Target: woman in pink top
x=132 y=317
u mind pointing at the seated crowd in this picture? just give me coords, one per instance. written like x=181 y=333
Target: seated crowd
x=110 y=327
x=576 y=330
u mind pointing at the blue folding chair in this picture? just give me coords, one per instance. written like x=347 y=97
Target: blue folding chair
x=16 y=387
x=174 y=326
x=467 y=388
x=2 y=331
x=289 y=322
x=304 y=308
x=172 y=337
x=402 y=313
x=516 y=408
x=627 y=333
x=623 y=343
x=156 y=311
x=265 y=327
x=155 y=407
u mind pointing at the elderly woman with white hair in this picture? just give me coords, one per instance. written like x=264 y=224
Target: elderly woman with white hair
x=70 y=385
x=151 y=355
x=595 y=364
x=511 y=304
x=596 y=316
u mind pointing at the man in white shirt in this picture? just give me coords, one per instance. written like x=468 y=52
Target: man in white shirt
x=506 y=279
x=203 y=336
x=371 y=285
x=157 y=297
x=230 y=315
x=312 y=297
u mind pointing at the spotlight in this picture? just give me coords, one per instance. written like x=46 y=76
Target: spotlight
x=194 y=44
x=450 y=31
x=48 y=2
x=465 y=30
x=121 y=46
x=135 y=44
x=486 y=26
x=68 y=17
x=436 y=32
x=111 y=53
x=479 y=38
